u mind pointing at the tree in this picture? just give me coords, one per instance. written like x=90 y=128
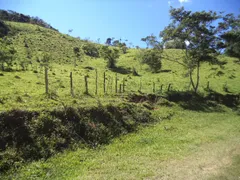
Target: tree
x=111 y=55
x=174 y=44
x=152 y=42
x=153 y=59
x=196 y=28
x=90 y=49
x=3 y=29
x=108 y=42
x=7 y=53
x=231 y=35
x=77 y=53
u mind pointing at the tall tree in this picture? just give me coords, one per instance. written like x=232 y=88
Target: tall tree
x=197 y=29
x=108 y=42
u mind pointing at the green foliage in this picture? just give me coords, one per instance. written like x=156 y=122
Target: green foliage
x=122 y=46
x=174 y=44
x=7 y=53
x=91 y=49
x=198 y=30
x=152 y=42
x=27 y=136
x=231 y=37
x=153 y=59
x=111 y=55
x=3 y=29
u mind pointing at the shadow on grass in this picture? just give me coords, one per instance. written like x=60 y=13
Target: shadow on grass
x=213 y=102
x=121 y=70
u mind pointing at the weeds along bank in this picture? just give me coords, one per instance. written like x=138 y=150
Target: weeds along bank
x=31 y=135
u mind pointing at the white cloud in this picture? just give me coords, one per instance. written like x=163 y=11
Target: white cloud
x=183 y=1
x=169 y=3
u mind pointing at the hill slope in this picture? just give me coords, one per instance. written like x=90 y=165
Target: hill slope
x=25 y=89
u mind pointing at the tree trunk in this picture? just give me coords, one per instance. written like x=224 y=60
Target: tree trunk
x=195 y=86
x=198 y=77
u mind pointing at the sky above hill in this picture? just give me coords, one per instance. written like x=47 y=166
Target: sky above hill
x=125 y=19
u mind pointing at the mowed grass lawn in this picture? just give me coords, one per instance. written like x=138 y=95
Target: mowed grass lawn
x=191 y=145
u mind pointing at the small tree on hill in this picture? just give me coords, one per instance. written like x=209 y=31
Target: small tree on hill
x=108 y=41
x=202 y=36
x=77 y=53
x=111 y=55
x=153 y=59
x=91 y=49
x=7 y=53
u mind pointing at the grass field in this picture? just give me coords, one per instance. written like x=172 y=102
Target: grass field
x=193 y=145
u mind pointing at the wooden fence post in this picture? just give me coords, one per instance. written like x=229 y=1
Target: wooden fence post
x=140 y=87
x=120 y=88
x=96 y=82
x=104 y=82
x=169 y=87
x=116 y=84
x=153 y=87
x=111 y=78
x=86 y=85
x=46 y=80
x=161 y=88
x=124 y=85
x=71 y=84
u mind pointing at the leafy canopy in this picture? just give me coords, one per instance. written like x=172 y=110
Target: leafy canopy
x=198 y=31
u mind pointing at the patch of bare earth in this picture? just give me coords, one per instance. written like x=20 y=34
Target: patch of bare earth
x=206 y=162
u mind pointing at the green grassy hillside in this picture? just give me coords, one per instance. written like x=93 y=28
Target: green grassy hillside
x=25 y=89
x=35 y=126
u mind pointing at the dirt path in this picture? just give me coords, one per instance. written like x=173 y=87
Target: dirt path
x=209 y=161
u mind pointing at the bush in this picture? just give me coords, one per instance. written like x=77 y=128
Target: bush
x=91 y=50
x=27 y=136
x=153 y=60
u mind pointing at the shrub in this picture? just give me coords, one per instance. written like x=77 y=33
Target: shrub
x=153 y=60
x=91 y=50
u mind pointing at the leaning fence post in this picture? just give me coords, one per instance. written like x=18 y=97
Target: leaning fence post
x=153 y=87
x=161 y=88
x=46 y=80
x=169 y=87
x=86 y=84
x=71 y=84
x=208 y=86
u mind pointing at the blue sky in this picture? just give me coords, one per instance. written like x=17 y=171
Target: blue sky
x=125 y=19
